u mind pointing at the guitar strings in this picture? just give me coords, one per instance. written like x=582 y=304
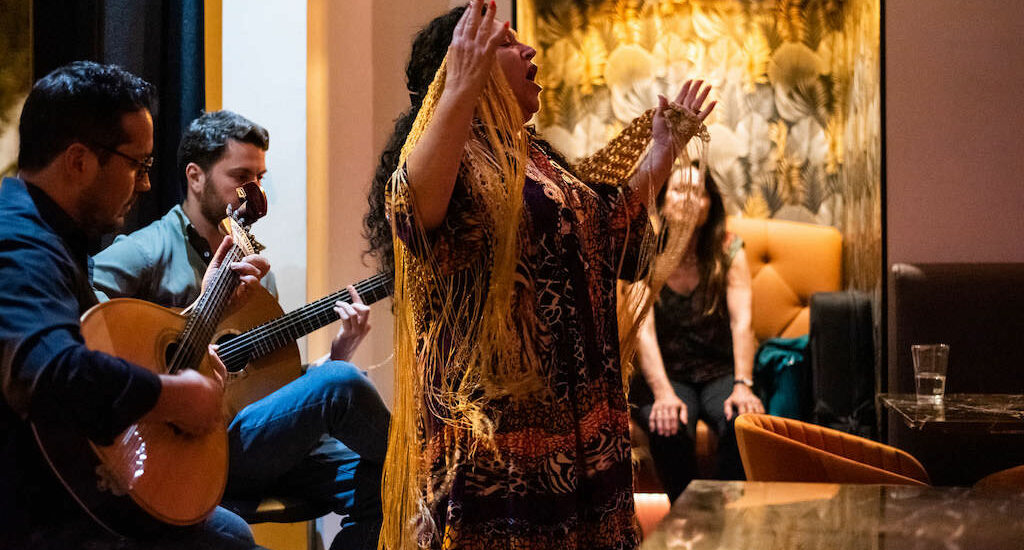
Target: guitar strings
x=199 y=328
x=298 y=317
x=271 y=331
x=234 y=349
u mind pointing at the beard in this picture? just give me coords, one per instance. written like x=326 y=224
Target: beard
x=211 y=206
x=95 y=209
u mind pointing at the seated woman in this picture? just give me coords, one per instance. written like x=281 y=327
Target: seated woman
x=696 y=351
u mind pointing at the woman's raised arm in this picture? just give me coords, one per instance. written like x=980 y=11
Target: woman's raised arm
x=433 y=164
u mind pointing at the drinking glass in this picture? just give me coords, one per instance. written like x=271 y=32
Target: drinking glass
x=930 y=362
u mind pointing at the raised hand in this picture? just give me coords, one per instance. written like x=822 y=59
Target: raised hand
x=692 y=97
x=434 y=162
x=472 y=50
x=690 y=100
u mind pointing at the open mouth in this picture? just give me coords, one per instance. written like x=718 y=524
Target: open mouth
x=531 y=73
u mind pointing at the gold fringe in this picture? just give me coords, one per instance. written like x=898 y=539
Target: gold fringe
x=493 y=350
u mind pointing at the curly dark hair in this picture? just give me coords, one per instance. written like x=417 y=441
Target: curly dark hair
x=428 y=51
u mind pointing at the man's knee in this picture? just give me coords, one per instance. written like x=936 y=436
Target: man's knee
x=346 y=378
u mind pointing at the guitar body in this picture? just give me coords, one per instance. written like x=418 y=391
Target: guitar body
x=267 y=373
x=151 y=467
x=153 y=474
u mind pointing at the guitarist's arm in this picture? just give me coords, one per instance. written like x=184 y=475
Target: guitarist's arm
x=45 y=367
x=123 y=269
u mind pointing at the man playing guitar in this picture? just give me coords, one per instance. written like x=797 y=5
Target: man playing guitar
x=321 y=437
x=86 y=140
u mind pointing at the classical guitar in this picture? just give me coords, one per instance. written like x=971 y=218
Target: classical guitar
x=261 y=359
x=154 y=474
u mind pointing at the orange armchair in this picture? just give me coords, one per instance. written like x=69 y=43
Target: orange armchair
x=1010 y=479
x=781 y=449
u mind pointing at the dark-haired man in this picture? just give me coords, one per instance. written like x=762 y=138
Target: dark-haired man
x=86 y=140
x=323 y=436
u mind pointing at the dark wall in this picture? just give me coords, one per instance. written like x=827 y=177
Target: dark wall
x=159 y=40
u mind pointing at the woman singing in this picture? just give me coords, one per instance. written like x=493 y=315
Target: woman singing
x=511 y=421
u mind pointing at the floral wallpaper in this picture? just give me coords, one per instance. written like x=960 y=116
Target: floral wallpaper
x=797 y=132
x=15 y=76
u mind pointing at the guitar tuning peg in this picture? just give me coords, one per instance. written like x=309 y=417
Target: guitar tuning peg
x=257 y=246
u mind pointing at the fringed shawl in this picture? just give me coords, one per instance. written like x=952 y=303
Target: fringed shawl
x=462 y=338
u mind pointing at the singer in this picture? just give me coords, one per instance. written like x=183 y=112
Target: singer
x=510 y=418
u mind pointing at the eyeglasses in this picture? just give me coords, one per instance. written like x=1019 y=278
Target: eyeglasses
x=142 y=166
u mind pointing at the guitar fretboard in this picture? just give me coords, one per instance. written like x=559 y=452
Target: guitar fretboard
x=291 y=326
x=203 y=321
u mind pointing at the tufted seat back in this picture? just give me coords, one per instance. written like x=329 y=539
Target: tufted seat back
x=782 y=449
x=789 y=261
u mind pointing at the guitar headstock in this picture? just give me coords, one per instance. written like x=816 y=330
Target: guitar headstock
x=252 y=206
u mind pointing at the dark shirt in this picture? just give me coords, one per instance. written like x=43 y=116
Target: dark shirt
x=45 y=367
x=696 y=347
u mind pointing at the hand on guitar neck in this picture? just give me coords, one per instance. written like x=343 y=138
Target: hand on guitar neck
x=355 y=324
x=189 y=401
x=249 y=269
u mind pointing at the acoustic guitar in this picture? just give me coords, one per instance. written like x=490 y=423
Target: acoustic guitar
x=154 y=474
x=257 y=342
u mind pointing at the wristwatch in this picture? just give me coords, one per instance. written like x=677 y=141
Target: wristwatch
x=745 y=381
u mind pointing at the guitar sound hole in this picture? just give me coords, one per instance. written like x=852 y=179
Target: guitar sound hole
x=232 y=365
x=172 y=348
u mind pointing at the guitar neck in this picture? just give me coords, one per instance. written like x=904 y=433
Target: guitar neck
x=206 y=315
x=291 y=326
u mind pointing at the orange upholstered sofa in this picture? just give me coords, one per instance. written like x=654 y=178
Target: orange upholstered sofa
x=789 y=261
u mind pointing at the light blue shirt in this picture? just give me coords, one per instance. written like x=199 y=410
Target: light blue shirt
x=163 y=263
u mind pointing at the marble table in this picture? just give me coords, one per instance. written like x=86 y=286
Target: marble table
x=994 y=413
x=964 y=438
x=738 y=515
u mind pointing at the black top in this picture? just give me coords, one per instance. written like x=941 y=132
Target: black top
x=45 y=367
x=695 y=347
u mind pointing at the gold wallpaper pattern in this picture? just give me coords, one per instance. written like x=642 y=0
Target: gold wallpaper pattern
x=15 y=76
x=797 y=132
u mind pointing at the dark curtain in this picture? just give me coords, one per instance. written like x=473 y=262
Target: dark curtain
x=159 y=40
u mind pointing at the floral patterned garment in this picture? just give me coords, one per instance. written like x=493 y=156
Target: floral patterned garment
x=562 y=476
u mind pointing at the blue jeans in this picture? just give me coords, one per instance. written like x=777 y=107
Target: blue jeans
x=223 y=530
x=321 y=437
